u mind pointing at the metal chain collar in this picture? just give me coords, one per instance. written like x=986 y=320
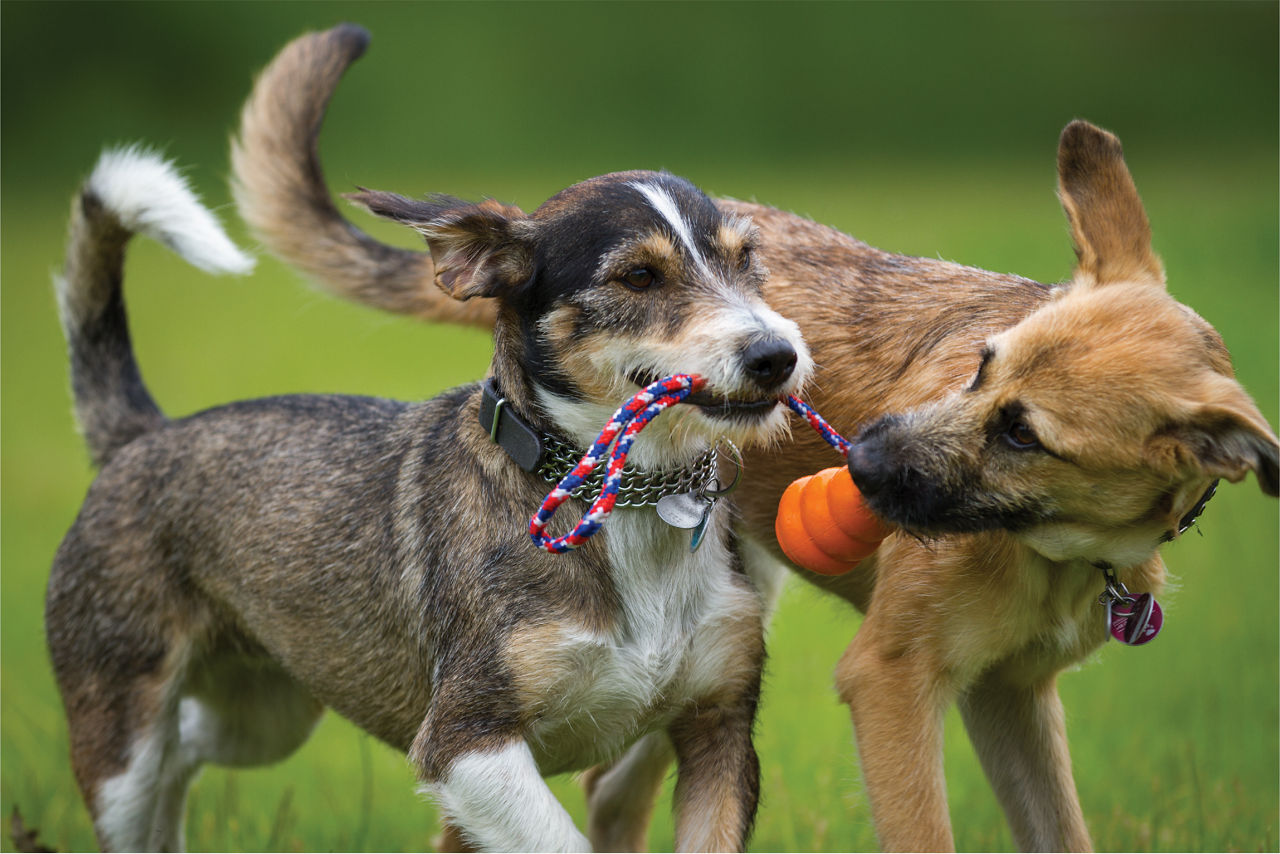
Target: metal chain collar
x=639 y=488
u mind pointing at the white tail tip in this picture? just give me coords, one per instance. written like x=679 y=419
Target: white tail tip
x=148 y=196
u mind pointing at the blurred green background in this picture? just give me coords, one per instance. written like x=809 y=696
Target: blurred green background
x=922 y=128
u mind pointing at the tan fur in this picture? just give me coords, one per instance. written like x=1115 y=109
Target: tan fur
x=1132 y=392
x=735 y=236
x=1110 y=369
x=533 y=656
x=621 y=797
x=653 y=248
x=273 y=126
x=708 y=808
x=450 y=839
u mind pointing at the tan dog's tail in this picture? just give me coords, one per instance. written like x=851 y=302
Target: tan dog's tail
x=280 y=190
x=131 y=191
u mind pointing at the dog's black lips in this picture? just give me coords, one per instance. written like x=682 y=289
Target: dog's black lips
x=716 y=405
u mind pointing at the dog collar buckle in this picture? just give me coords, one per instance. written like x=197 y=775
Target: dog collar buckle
x=517 y=438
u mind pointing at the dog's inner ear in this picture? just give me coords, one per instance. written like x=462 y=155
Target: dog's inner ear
x=1227 y=439
x=1108 y=223
x=479 y=250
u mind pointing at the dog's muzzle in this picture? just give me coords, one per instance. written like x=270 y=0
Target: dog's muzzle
x=767 y=364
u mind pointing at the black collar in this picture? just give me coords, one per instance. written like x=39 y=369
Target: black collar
x=521 y=442
x=1190 y=518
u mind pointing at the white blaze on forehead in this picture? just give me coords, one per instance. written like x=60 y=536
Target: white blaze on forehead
x=666 y=206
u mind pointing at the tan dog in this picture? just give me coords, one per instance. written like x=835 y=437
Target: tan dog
x=1038 y=443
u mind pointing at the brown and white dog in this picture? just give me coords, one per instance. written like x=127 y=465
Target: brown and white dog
x=1029 y=439
x=234 y=572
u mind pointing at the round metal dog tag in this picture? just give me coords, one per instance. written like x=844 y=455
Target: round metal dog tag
x=683 y=510
x=1136 y=621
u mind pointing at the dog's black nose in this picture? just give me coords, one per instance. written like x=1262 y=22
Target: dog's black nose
x=770 y=362
x=870 y=463
x=868 y=467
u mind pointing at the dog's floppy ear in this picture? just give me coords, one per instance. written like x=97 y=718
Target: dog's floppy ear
x=479 y=250
x=1108 y=223
x=1226 y=438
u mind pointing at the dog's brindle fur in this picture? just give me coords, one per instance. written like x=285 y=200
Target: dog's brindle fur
x=233 y=572
x=1026 y=434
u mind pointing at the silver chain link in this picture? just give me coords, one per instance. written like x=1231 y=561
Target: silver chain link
x=638 y=488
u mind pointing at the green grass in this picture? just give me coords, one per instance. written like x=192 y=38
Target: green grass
x=935 y=136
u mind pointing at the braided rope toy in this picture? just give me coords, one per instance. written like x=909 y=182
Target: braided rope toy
x=629 y=420
x=818 y=423
x=822 y=523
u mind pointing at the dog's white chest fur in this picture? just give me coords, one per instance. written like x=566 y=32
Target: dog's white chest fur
x=673 y=642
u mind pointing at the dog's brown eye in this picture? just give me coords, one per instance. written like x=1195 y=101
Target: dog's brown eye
x=1022 y=437
x=639 y=278
x=744 y=263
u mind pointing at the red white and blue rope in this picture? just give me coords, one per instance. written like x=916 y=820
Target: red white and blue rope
x=624 y=425
x=817 y=422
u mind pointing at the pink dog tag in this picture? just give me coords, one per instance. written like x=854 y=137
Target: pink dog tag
x=1134 y=620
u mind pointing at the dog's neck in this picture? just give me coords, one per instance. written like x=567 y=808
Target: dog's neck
x=513 y=379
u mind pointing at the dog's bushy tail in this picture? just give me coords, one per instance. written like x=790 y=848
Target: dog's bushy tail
x=280 y=190
x=131 y=191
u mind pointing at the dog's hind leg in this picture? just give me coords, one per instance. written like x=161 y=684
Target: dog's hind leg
x=140 y=808
x=122 y=712
x=1021 y=740
x=146 y=705
x=235 y=710
x=119 y=656
x=241 y=710
x=222 y=712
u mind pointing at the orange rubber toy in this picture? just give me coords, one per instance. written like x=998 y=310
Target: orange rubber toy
x=824 y=525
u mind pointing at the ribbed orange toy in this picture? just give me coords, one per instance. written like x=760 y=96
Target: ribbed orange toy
x=824 y=525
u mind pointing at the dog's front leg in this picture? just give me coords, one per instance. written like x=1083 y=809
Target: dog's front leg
x=718 y=777
x=473 y=759
x=451 y=841
x=1021 y=740
x=621 y=796
x=897 y=695
x=498 y=800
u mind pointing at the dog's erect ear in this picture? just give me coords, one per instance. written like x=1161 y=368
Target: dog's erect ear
x=1227 y=438
x=1108 y=223
x=479 y=250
